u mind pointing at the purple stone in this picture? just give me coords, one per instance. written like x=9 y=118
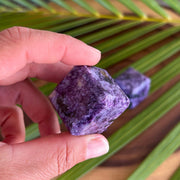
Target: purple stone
x=88 y=100
x=135 y=85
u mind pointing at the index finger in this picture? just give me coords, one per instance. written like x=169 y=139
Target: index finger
x=20 y=46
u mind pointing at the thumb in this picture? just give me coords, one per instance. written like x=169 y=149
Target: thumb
x=46 y=157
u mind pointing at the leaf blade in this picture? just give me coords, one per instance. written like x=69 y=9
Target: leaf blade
x=176 y=175
x=110 y=7
x=175 y=4
x=26 y=4
x=70 y=25
x=118 y=41
x=87 y=6
x=126 y=52
x=159 y=55
x=163 y=150
x=165 y=75
x=44 y=5
x=108 y=32
x=65 y=6
x=11 y=5
x=154 y=58
x=90 y=28
x=157 y=8
x=130 y=5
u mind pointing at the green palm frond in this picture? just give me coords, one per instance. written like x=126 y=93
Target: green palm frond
x=121 y=35
x=159 y=154
x=176 y=175
x=66 y=7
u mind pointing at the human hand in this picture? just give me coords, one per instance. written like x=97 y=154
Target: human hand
x=49 y=56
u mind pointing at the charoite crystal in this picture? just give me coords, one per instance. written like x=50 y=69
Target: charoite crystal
x=135 y=85
x=88 y=100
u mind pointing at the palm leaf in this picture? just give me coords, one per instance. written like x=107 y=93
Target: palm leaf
x=120 y=35
x=85 y=5
x=174 y=5
x=176 y=175
x=130 y=5
x=155 y=7
x=159 y=154
x=114 y=12
x=26 y=4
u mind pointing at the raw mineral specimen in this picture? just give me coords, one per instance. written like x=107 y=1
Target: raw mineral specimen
x=88 y=100
x=135 y=85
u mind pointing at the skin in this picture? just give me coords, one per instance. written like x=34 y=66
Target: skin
x=49 y=56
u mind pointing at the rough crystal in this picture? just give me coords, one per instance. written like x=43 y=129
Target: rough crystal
x=135 y=85
x=88 y=100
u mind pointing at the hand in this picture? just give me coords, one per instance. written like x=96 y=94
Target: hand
x=49 y=56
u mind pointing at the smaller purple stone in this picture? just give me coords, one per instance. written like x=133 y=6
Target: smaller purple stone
x=135 y=85
x=88 y=100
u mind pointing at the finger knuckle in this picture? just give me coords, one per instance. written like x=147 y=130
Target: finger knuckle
x=65 y=37
x=15 y=32
x=15 y=112
x=7 y=112
x=65 y=159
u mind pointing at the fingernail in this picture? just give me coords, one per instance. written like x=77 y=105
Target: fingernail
x=96 y=53
x=97 y=146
